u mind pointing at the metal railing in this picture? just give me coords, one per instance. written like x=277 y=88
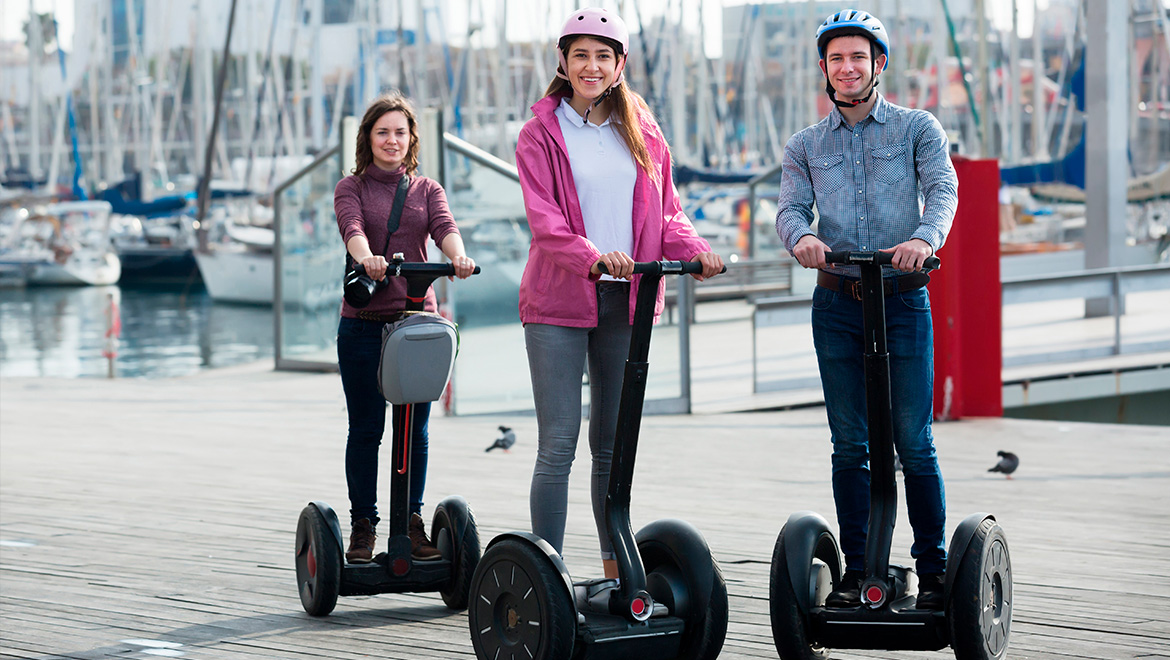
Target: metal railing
x=1111 y=284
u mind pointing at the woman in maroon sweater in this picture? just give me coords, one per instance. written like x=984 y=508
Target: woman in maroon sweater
x=387 y=149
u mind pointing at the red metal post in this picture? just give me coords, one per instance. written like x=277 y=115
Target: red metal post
x=966 y=302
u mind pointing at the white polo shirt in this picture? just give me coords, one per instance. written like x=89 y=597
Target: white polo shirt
x=604 y=175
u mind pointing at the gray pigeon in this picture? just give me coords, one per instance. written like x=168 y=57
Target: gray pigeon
x=505 y=441
x=1008 y=462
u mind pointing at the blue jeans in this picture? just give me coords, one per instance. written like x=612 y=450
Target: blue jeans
x=556 y=360
x=359 y=347
x=837 y=336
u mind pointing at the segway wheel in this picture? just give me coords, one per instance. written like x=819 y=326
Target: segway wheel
x=519 y=607
x=981 y=597
x=462 y=550
x=790 y=627
x=318 y=561
x=706 y=623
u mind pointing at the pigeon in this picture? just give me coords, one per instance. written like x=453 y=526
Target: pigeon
x=505 y=441
x=1008 y=462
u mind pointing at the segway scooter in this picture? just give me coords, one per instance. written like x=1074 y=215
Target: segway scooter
x=806 y=562
x=425 y=346
x=670 y=600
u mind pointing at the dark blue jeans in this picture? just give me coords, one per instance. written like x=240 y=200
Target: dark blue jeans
x=359 y=347
x=837 y=336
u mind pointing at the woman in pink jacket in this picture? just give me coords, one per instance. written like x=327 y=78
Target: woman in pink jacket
x=596 y=175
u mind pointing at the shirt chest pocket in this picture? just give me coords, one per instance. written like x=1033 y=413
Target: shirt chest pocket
x=890 y=164
x=827 y=173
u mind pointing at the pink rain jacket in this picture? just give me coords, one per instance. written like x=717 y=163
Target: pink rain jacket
x=557 y=287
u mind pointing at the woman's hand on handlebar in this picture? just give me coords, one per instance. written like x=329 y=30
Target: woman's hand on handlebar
x=464 y=266
x=375 y=266
x=712 y=265
x=909 y=256
x=617 y=263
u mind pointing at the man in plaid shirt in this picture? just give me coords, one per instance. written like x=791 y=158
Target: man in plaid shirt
x=881 y=178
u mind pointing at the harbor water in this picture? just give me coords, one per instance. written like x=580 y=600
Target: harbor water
x=62 y=332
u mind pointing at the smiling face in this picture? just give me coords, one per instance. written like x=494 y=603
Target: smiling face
x=849 y=66
x=390 y=140
x=592 y=68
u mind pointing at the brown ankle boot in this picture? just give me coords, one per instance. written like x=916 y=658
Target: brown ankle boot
x=421 y=548
x=361 y=542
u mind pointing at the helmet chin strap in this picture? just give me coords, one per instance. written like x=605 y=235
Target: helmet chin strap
x=597 y=101
x=856 y=102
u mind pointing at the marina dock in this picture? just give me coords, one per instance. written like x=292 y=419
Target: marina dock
x=146 y=518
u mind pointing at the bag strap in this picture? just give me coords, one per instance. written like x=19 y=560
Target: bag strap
x=392 y=222
x=396 y=210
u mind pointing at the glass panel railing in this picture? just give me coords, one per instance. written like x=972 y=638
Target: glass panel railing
x=491 y=374
x=309 y=263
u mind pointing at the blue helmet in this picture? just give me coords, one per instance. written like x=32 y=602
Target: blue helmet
x=853 y=21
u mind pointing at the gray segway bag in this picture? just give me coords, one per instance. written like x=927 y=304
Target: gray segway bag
x=418 y=354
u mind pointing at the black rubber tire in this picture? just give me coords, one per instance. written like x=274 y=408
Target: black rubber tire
x=519 y=606
x=981 y=597
x=318 y=562
x=789 y=626
x=704 y=635
x=464 y=557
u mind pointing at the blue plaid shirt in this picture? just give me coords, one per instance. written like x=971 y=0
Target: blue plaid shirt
x=882 y=182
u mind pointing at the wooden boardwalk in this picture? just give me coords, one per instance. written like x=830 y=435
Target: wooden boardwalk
x=148 y=518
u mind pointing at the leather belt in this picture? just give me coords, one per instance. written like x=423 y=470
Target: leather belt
x=383 y=317
x=892 y=285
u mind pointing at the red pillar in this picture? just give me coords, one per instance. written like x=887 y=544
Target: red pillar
x=966 y=302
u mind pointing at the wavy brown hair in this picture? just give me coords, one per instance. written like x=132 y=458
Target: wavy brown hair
x=627 y=104
x=393 y=102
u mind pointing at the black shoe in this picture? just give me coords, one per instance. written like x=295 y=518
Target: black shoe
x=848 y=591
x=930 y=592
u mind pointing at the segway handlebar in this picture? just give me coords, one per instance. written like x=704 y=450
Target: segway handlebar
x=663 y=268
x=408 y=268
x=857 y=258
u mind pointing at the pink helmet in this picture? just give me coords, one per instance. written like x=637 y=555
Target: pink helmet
x=595 y=22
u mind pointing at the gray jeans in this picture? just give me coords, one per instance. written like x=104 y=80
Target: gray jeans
x=556 y=360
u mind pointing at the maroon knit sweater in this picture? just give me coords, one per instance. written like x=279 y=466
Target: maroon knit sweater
x=362 y=204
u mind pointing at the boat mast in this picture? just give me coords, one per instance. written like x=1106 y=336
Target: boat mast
x=205 y=182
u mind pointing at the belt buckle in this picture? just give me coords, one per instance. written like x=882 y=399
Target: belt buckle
x=854 y=289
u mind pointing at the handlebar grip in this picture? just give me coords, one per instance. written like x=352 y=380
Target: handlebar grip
x=663 y=268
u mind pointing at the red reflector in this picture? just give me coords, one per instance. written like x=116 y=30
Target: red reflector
x=638 y=606
x=311 y=564
x=400 y=566
x=874 y=594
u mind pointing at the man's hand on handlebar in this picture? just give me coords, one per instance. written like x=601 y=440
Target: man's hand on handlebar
x=810 y=251
x=909 y=256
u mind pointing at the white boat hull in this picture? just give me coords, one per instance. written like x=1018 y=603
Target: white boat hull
x=236 y=274
x=96 y=270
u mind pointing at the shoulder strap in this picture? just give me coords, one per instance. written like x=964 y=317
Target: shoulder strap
x=396 y=210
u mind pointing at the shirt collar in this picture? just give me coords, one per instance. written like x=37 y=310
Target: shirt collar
x=878 y=112
x=567 y=111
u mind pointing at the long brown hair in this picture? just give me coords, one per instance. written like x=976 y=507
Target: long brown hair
x=393 y=102
x=627 y=104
